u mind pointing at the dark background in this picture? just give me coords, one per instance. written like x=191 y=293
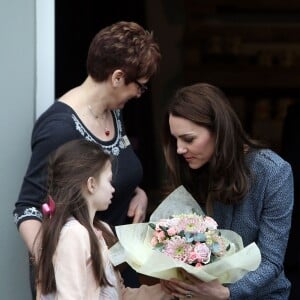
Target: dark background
x=250 y=49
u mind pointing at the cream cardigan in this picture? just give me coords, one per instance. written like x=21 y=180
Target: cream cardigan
x=74 y=275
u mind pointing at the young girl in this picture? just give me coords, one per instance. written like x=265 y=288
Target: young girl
x=73 y=261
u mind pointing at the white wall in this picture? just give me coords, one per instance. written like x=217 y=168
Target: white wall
x=17 y=114
x=44 y=55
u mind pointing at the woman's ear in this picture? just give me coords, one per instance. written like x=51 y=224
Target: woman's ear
x=91 y=185
x=117 y=77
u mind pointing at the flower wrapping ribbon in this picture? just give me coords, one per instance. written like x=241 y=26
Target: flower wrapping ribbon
x=48 y=208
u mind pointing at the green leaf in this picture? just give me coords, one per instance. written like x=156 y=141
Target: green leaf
x=152 y=225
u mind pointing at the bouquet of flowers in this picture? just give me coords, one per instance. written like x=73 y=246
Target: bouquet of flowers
x=180 y=236
x=190 y=238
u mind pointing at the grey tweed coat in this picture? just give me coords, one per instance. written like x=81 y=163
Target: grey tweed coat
x=264 y=217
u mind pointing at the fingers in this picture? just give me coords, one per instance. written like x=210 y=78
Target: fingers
x=188 y=277
x=180 y=289
x=138 y=206
x=165 y=286
x=139 y=217
x=137 y=212
x=187 y=288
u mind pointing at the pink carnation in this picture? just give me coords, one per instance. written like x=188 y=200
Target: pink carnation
x=177 y=248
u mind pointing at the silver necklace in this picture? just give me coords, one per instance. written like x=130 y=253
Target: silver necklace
x=106 y=130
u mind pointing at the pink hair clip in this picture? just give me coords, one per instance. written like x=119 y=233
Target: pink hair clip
x=49 y=208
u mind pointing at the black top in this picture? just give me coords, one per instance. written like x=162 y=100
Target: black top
x=58 y=125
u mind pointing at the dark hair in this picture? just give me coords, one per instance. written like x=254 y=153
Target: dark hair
x=126 y=46
x=69 y=168
x=226 y=177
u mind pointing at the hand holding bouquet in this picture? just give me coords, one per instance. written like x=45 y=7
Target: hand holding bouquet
x=180 y=236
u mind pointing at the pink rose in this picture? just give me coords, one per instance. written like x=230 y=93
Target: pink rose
x=171 y=231
x=201 y=253
x=210 y=223
x=160 y=236
x=154 y=241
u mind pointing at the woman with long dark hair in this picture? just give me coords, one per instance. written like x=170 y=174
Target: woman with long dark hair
x=245 y=187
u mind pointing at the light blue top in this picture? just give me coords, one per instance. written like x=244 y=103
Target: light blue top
x=264 y=217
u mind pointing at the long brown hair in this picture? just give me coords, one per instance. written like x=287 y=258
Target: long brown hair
x=69 y=168
x=226 y=177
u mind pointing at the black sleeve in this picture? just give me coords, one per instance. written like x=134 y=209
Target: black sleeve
x=47 y=135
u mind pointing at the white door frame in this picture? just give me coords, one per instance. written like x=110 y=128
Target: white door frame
x=45 y=55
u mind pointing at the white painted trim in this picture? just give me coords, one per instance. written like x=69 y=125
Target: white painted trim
x=45 y=55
